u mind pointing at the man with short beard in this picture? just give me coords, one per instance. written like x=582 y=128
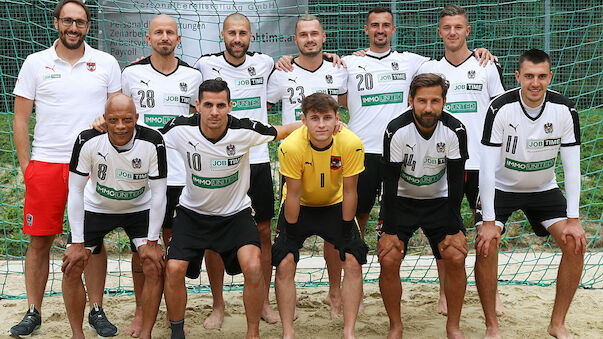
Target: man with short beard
x=163 y=87
x=312 y=73
x=69 y=84
x=246 y=74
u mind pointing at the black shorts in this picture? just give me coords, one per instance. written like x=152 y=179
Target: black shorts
x=261 y=192
x=173 y=196
x=431 y=215
x=325 y=222
x=538 y=207
x=97 y=225
x=471 y=187
x=369 y=183
x=193 y=233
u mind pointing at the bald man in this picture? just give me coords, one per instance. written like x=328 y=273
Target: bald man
x=247 y=76
x=127 y=168
x=163 y=87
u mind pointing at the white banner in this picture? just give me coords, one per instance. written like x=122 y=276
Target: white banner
x=124 y=24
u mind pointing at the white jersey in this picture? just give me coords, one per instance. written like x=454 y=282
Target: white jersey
x=247 y=84
x=423 y=174
x=161 y=97
x=217 y=171
x=471 y=88
x=378 y=92
x=67 y=98
x=118 y=179
x=292 y=87
x=529 y=145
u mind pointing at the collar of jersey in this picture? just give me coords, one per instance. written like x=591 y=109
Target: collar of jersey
x=87 y=53
x=158 y=71
x=379 y=57
x=321 y=149
x=215 y=141
x=546 y=94
x=233 y=65
x=453 y=65
x=412 y=111
x=307 y=70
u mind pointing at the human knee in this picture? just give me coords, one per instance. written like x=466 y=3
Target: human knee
x=174 y=270
x=264 y=230
x=252 y=268
x=151 y=270
x=41 y=243
x=454 y=257
x=286 y=268
x=351 y=266
x=74 y=274
x=391 y=262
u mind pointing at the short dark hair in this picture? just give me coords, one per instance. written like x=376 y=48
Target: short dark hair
x=59 y=7
x=214 y=85
x=428 y=80
x=379 y=9
x=534 y=55
x=319 y=102
x=453 y=10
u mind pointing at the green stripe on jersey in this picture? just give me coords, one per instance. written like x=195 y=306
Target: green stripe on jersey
x=111 y=193
x=382 y=99
x=529 y=166
x=246 y=103
x=424 y=180
x=158 y=120
x=213 y=183
x=462 y=107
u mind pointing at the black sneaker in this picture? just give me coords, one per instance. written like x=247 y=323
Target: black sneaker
x=31 y=322
x=98 y=322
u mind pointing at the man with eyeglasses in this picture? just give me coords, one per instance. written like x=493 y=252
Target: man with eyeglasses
x=69 y=84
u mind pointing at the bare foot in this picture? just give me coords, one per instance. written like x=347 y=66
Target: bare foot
x=500 y=308
x=492 y=334
x=136 y=326
x=559 y=332
x=336 y=305
x=454 y=333
x=268 y=314
x=442 y=306
x=214 y=320
x=395 y=333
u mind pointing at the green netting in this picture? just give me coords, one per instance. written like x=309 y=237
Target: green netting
x=571 y=31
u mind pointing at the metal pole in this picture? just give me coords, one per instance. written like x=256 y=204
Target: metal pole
x=547 y=26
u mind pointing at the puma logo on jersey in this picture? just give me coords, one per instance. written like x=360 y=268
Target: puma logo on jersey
x=388 y=133
x=194 y=145
x=104 y=156
x=294 y=80
x=254 y=123
x=459 y=129
x=358 y=149
x=308 y=163
x=50 y=68
x=217 y=70
x=146 y=83
x=79 y=139
x=514 y=127
x=363 y=68
x=282 y=151
x=411 y=147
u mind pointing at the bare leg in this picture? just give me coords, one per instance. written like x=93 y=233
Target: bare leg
x=268 y=313
x=391 y=291
x=215 y=273
x=486 y=272
x=138 y=278
x=455 y=285
x=352 y=289
x=284 y=286
x=568 y=278
x=74 y=298
x=36 y=269
x=442 y=306
x=95 y=274
x=253 y=290
x=331 y=256
x=152 y=297
x=175 y=289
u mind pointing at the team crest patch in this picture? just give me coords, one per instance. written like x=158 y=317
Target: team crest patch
x=335 y=162
x=136 y=162
x=230 y=150
x=440 y=147
x=471 y=74
x=91 y=66
x=29 y=219
x=548 y=128
x=251 y=70
x=395 y=66
x=183 y=86
x=329 y=78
